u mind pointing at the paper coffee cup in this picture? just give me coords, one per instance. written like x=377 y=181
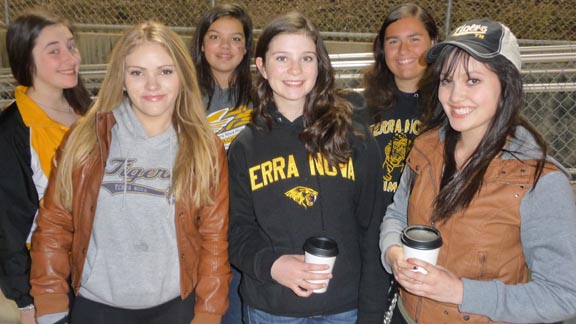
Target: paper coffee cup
x=421 y=242
x=321 y=250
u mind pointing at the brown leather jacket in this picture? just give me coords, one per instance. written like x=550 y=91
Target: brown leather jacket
x=483 y=241
x=60 y=242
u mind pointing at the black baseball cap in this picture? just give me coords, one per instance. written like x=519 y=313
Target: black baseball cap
x=483 y=39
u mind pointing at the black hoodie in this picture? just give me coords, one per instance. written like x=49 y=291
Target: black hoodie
x=280 y=196
x=395 y=131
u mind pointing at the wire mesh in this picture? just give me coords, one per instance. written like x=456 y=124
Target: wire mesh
x=529 y=19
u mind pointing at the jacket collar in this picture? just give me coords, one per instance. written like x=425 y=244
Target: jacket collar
x=32 y=115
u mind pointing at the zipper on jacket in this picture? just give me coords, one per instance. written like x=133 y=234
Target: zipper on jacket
x=435 y=187
x=418 y=309
x=482 y=265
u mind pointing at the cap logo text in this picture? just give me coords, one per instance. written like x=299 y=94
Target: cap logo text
x=475 y=29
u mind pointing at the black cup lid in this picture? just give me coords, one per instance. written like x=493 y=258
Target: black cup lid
x=421 y=237
x=321 y=246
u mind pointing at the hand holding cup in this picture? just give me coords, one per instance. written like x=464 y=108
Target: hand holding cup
x=292 y=272
x=321 y=250
x=421 y=242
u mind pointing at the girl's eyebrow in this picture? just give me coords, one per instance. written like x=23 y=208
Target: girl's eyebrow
x=288 y=52
x=409 y=35
x=143 y=68
x=57 y=42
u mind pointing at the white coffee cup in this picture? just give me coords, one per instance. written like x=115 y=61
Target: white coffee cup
x=421 y=242
x=321 y=250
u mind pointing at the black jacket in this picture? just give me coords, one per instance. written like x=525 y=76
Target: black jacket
x=279 y=197
x=18 y=206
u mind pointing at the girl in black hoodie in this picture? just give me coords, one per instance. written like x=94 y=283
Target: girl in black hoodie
x=303 y=168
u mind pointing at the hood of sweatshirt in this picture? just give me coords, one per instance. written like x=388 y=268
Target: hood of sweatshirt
x=279 y=122
x=131 y=128
x=522 y=146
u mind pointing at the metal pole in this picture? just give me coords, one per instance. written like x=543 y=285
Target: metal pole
x=448 y=18
x=6 y=13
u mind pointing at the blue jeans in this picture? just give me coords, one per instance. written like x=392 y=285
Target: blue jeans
x=254 y=316
x=234 y=313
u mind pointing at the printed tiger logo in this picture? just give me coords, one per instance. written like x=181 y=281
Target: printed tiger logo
x=396 y=152
x=303 y=196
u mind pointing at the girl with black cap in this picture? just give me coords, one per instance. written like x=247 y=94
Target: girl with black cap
x=481 y=175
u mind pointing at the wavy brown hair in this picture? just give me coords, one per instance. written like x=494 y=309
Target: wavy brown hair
x=195 y=176
x=327 y=117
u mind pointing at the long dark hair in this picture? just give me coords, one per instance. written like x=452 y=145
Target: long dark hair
x=378 y=79
x=20 y=41
x=327 y=117
x=459 y=187
x=241 y=79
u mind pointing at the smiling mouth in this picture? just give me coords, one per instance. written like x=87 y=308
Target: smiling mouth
x=293 y=83
x=406 y=61
x=68 y=72
x=462 y=111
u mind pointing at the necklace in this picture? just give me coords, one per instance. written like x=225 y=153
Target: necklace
x=67 y=110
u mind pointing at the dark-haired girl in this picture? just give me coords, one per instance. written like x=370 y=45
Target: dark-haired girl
x=49 y=97
x=481 y=175
x=394 y=101
x=302 y=168
x=221 y=50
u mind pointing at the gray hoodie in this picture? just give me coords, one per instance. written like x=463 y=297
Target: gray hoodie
x=132 y=259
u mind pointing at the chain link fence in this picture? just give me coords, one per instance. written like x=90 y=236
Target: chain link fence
x=550 y=80
x=550 y=20
x=551 y=105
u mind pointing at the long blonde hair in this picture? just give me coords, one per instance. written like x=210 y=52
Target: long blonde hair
x=195 y=176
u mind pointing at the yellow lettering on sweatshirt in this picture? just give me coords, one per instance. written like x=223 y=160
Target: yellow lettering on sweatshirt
x=320 y=166
x=265 y=173
x=408 y=126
